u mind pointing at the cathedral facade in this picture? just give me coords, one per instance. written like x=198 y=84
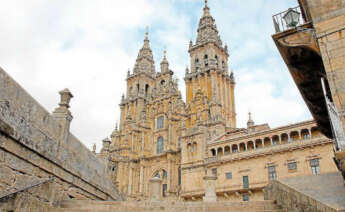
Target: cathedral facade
x=161 y=135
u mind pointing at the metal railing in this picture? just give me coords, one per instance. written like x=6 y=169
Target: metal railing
x=280 y=24
x=9 y=193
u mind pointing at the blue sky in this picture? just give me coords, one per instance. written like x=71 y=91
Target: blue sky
x=88 y=46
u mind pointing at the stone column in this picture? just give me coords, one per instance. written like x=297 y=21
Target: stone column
x=129 y=190
x=169 y=176
x=210 y=188
x=141 y=180
x=155 y=188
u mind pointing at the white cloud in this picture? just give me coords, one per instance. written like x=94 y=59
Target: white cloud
x=88 y=46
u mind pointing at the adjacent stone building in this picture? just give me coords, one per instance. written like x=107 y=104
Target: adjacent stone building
x=188 y=143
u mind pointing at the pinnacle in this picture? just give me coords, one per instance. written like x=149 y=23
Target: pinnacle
x=146 y=40
x=165 y=63
x=145 y=62
x=207 y=30
x=165 y=56
x=206 y=10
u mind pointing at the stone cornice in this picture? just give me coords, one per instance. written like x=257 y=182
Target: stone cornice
x=263 y=133
x=269 y=150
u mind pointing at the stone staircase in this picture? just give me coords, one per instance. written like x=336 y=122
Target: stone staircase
x=167 y=206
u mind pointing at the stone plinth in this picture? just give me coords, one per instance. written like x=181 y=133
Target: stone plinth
x=210 y=189
x=155 y=188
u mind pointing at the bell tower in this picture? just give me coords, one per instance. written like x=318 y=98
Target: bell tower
x=209 y=71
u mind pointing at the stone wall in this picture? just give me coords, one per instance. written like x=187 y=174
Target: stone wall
x=33 y=149
x=313 y=193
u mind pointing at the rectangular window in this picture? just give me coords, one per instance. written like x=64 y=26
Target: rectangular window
x=292 y=166
x=214 y=171
x=314 y=164
x=245 y=197
x=228 y=175
x=160 y=122
x=245 y=182
x=164 y=192
x=272 y=174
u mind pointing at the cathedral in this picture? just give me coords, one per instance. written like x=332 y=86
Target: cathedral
x=184 y=142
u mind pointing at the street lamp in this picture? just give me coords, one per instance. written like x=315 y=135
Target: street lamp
x=291 y=18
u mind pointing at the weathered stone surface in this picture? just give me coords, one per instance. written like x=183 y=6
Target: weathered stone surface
x=169 y=206
x=32 y=149
x=324 y=192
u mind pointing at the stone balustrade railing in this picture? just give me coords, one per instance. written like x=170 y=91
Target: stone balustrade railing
x=268 y=150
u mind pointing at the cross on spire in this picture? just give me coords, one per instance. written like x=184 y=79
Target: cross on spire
x=147 y=33
x=205 y=3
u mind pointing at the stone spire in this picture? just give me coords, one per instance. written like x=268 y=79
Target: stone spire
x=165 y=63
x=145 y=62
x=207 y=29
x=250 y=121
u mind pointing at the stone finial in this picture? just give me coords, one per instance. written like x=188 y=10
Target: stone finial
x=190 y=44
x=187 y=70
x=116 y=126
x=65 y=98
x=164 y=63
x=106 y=144
x=146 y=40
x=206 y=10
x=232 y=75
x=128 y=73
x=250 y=122
x=94 y=148
x=226 y=48
x=122 y=98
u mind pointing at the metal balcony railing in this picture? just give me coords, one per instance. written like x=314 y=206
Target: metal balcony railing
x=280 y=20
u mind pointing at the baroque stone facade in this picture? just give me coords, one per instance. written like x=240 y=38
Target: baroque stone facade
x=184 y=143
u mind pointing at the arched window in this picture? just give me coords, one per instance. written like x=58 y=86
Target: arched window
x=160 y=122
x=213 y=152
x=138 y=88
x=147 y=87
x=216 y=57
x=160 y=145
x=194 y=148
x=206 y=60
x=165 y=174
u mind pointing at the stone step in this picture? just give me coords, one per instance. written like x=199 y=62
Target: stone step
x=187 y=210
x=168 y=206
x=154 y=210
